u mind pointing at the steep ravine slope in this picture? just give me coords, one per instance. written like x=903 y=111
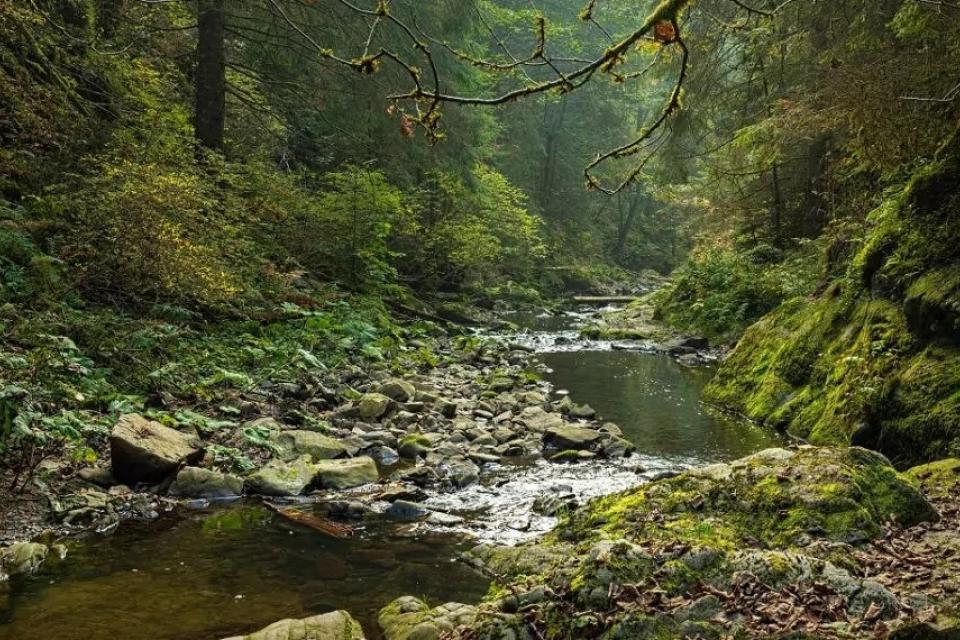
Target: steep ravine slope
x=874 y=359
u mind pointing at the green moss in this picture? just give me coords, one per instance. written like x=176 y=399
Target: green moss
x=877 y=351
x=938 y=479
x=414 y=439
x=774 y=498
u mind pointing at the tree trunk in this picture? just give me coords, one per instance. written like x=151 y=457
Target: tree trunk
x=552 y=126
x=211 y=81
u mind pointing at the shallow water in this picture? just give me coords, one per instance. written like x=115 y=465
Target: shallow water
x=215 y=573
x=656 y=402
x=210 y=575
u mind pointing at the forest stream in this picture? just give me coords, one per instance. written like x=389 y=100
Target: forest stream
x=213 y=571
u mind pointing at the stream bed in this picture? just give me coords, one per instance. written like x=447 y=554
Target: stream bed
x=214 y=572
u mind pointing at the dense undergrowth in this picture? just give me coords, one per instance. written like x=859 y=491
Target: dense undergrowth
x=136 y=264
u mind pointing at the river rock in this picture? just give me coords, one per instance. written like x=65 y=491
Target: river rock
x=582 y=412
x=617 y=447
x=500 y=384
x=409 y=618
x=447 y=408
x=99 y=476
x=414 y=446
x=143 y=451
x=344 y=474
x=440 y=519
x=568 y=437
x=407 y=511
x=536 y=419
x=398 y=390
x=279 y=478
x=22 y=558
x=295 y=443
x=336 y=625
x=373 y=406
x=384 y=455
x=194 y=482
x=462 y=473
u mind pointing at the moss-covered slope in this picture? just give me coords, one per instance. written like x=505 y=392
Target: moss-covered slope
x=875 y=358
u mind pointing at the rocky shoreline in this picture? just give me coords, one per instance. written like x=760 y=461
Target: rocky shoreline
x=359 y=442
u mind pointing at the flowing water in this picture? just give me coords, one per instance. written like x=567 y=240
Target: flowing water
x=208 y=574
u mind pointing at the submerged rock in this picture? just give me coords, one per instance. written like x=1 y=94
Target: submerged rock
x=336 y=625
x=143 y=451
x=194 y=482
x=22 y=558
x=407 y=511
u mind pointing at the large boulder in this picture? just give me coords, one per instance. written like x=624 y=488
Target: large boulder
x=336 y=625
x=194 y=482
x=409 y=618
x=399 y=390
x=279 y=478
x=373 y=406
x=343 y=474
x=295 y=443
x=143 y=451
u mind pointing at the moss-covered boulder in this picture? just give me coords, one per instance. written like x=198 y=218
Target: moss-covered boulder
x=336 y=625
x=194 y=482
x=279 y=478
x=409 y=618
x=939 y=480
x=775 y=498
x=22 y=558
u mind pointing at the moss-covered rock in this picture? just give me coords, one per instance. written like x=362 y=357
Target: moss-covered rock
x=194 y=482
x=294 y=443
x=409 y=618
x=939 y=479
x=336 y=625
x=279 y=478
x=22 y=558
x=343 y=474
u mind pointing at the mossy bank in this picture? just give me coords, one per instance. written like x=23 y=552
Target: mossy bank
x=783 y=543
x=874 y=358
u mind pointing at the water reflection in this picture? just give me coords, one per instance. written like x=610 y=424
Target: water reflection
x=656 y=402
x=235 y=571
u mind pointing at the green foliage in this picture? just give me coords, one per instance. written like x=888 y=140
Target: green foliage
x=470 y=235
x=722 y=290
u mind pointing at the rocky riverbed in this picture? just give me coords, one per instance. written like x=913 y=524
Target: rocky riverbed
x=468 y=438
